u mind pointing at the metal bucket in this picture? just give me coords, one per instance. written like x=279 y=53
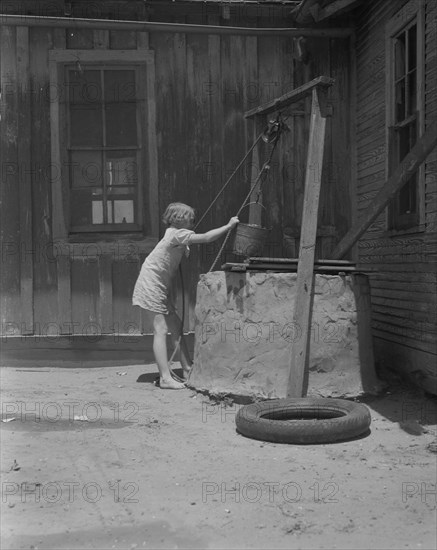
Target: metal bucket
x=250 y=240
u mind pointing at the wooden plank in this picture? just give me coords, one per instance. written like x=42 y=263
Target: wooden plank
x=123 y=40
x=404 y=171
x=198 y=150
x=415 y=316
x=286 y=155
x=404 y=322
x=269 y=84
x=250 y=77
x=405 y=295
x=46 y=309
x=101 y=39
x=405 y=306
x=59 y=39
x=255 y=210
x=84 y=24
x=25 y=181
x=232 y=50
x=152 y=146
x=405 y=338
x=59 y=228
x=85 y=291
x=9 y=190
x=352 y=184
x=302 y=309
x=80 y=38
x=393 y=278
x=415 y=269
x=290 y=97
x=331 y=9
x=102 y=56
x=126 y=318
x=105 y=293
x=142 y=39
x=214 y=171
x=330 y=211
x=64 y=295
x=165 y=71
x=293 y=268
x=255 y=260
x=300 y=131
x=325 y=59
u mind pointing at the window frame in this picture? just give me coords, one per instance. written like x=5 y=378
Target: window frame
x=139 y=152
x=143 y=61
x=403 y=19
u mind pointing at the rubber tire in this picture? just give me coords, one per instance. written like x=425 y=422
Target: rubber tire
x=303 y=420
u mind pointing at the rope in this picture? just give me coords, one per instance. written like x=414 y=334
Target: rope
x=265 y=167
x=228 y=180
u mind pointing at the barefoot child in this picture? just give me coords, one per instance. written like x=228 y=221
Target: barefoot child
x=153 y=284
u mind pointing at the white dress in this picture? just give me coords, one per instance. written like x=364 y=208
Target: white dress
x=152 y=287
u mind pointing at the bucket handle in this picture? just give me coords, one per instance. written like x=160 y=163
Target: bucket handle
x=249 y=203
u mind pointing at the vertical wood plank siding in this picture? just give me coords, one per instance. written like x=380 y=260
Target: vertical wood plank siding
x=12 y=249
x=203 y=86
x=404 y=287
x=431 y=111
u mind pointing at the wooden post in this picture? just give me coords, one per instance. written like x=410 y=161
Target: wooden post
x=305 y=271
x=402 y=174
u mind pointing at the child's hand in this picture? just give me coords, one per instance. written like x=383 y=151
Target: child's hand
x=233 y=222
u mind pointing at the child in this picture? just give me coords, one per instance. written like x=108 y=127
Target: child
x=153 y=284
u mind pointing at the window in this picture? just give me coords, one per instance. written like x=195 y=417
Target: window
x=104 y=153
x=103 y=140
x=404 y=110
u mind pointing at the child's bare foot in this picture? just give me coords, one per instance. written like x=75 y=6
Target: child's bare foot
x=170 y=384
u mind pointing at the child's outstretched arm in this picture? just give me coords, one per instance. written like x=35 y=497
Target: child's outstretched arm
x=213 y=234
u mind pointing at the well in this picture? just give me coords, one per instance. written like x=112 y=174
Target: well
x=244 y=332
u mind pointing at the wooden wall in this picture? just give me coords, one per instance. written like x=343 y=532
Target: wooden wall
x=203 y=86
x=404 y=286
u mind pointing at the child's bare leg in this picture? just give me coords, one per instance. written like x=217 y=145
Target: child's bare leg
x=175 y=326
x=160 y=330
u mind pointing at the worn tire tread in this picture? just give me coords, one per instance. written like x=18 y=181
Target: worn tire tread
x=352 y=420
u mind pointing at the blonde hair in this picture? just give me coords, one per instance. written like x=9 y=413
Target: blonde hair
x=178 y=214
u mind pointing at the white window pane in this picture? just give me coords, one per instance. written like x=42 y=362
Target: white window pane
x=97 y=212
x=124 y=211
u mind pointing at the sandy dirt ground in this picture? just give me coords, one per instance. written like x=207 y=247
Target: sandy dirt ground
x=102 y=458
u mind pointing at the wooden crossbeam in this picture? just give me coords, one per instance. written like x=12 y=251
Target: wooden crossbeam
x=290 y=97
x=336 y=7
x=402 y=174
